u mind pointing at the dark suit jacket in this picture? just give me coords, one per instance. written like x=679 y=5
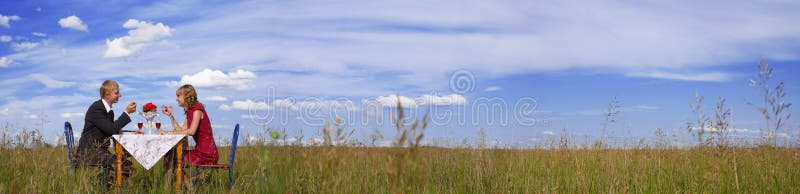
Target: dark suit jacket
x=99 y=126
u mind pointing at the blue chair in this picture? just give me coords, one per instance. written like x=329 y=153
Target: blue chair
x=73 y=162
x=218 y=166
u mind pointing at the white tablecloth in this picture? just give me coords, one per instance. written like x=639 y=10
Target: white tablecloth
x=148 y=149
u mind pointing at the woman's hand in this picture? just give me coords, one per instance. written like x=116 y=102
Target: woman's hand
x=162 y=132
x=167 y=110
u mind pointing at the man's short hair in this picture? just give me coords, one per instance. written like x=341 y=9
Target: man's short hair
x=108 y=86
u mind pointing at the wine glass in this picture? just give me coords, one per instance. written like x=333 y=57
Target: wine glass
x=140 y=124
x=158 y=123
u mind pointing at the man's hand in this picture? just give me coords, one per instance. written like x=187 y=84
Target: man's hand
x=139 y=132
x=131 y=108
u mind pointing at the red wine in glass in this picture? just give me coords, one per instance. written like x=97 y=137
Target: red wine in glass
x=140 y=125
x=158 y=125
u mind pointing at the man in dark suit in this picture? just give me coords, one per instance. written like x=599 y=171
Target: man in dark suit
x=100 y=125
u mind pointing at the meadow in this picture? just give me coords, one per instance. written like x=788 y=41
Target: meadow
x=715 y=164
x=331 y=169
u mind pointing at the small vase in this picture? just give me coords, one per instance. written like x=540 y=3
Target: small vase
x=149 y=117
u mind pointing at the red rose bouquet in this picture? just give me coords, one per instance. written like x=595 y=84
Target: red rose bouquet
x=149 y=107
x=149 y=112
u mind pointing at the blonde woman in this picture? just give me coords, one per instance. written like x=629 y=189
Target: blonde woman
x=197 y=125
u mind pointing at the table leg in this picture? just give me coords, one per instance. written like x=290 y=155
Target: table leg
x=179 y=165
x=118 y=150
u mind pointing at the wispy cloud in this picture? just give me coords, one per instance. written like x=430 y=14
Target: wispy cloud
x=492 y=88
x=71 y=115
x=216 y=98
x=250 y=105
x=48 y=81
x=317 y=104
x=598 y=112
x=73 y=22
x=307 y=48
x=500 y=38
x=308 y=105
x=56 y=103
x=707 y=77
x=22 y=46
x=643 y=108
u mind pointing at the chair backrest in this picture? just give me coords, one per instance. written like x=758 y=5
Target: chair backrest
x=70 y=139
x=235 y=139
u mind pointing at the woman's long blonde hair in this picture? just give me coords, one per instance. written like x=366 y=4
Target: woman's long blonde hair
x=189 y=96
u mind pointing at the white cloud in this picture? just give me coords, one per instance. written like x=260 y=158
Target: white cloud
x=316 y=141
x=492 y=89
x=25 y=45
x=31 y=116
x=391 y=101
x=707 y=77
x=350 y=56
x=6 y=20
x=311 y=105
x=208 y=78
x=216 y=98
x=548 y=133
x=501 y=39
x=5 y=61
x=607 y=39
x=141 y=35
x=249 y=105
x=708 y=128
x=4 y=111
x=598 y=112
x=242 y=74
x=29 y=109
x=70 y=115
x=452 y=99
x=48 y=81
x=644 y=108
x=743 y=130
x=39 y=34
x=73 y=22
x=5 y=38
x=287 y=102
x=319 y=105
x=408 y=102
x=253 y=117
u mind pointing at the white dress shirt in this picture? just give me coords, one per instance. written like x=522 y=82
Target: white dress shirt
x=108 y=107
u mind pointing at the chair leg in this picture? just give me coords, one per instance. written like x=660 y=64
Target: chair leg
x=105 y=177
x=196 y=176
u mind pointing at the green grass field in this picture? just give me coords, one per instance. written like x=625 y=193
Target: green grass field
x=282 y=169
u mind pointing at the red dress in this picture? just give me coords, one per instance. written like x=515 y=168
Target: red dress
x=205 y=151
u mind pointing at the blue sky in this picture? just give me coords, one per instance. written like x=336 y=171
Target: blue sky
x=551 y=67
